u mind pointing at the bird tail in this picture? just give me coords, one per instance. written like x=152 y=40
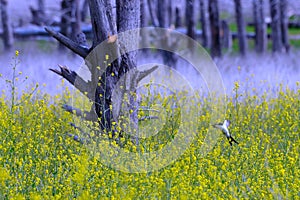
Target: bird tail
x=234 y=140
x=230 y=142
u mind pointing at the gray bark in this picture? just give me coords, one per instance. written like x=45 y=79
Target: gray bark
x=215 y=28
x=206 y=40
x=260 y=26
x=128 y=18
x=284 y=24
x=8 y=38
x=276 y=26
x=242 y=35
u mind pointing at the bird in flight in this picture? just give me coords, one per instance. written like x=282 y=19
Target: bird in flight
x=224 y=128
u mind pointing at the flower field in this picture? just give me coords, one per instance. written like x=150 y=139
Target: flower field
x=39 y=161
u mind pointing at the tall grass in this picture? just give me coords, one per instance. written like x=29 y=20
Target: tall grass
x=39 y=161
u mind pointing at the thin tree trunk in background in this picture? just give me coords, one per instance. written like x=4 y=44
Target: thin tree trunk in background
x=226 y=36
x=8 y=37
x=215 y=28
x=162 y=14
x=178 y=22
x=144 y=23
x=284 y=24
x=84 y=10
x=260 y=26
x=170 y=12
x=153 y=12
x=39 y=15
x=41 y=7
x=189 y=18
x=143 y=16
x=276 y=26
x=76 y=33
x=206 y=40
x=242 y=35
x=65 y=21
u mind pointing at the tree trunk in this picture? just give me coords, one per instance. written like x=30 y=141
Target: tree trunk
x=84 y=10
x=206 y=40
x=178 y=22
x=153 y=12
x=144 y=23
x=65 y=21
x=260 y=26
x=226 y=36
x=41 y=7
x=242 y=37
x=39 y=15
x=162 y=14
x=276 y=26
x=162 y=19
x=189 y=18
x=100 y=88
x=76 y=33
x=215 y=28
x=170 y=12
x=143 y=16
x=284 y=24
x=8 y=37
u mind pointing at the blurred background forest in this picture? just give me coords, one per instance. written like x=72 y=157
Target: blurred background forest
x=249 y=40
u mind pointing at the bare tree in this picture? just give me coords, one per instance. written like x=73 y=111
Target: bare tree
x=276 y=26
x=284 y=24
x=215 y=28
x=99 y=89
x=8 y=38
x=260 y=26
x=206 y=40
x=242 y=35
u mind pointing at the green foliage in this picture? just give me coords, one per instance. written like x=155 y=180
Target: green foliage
x=295 y=43
x=294 y=31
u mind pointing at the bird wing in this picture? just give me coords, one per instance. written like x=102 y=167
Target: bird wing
x=227 y=123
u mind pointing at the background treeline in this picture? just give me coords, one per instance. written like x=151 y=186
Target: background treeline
x=267 y=27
